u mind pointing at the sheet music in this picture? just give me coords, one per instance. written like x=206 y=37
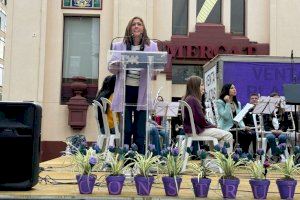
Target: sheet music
x=239 y=117
x=266 y=105
x=167 y=109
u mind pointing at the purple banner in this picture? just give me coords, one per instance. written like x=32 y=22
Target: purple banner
x=262 y=78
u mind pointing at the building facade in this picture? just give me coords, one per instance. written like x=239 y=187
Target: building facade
x=2 y=40
x=50 y=41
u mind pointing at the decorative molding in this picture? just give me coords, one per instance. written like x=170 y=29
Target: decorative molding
x=82 y=4
x=205 y=43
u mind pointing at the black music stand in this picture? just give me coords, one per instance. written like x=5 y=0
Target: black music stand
x=292 y=97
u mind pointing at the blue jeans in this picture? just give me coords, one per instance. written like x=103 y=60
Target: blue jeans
x=136 y=128
x=271 y=138
x=154 y=138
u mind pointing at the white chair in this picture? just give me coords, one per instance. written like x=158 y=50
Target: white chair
x=260 y=139
x=291 y=132
x=106 y=134
x=113 y=138
x=194 y=136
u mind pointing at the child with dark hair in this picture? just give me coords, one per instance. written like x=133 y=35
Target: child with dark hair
x=106 y=91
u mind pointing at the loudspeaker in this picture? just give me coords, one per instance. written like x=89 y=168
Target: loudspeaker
x=292 y=93
x=20 y=138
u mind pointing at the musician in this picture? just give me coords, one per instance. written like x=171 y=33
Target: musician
x=248 y=119
x=276 y=124
x=228 y=107
x=193 y=96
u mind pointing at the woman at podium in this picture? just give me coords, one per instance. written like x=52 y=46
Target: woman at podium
x=228 y=107
x=135 y=39
x=194 y=91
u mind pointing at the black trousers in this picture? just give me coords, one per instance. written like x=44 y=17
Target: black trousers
x=244 y=139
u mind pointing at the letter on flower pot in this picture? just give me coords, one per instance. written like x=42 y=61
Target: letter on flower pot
x=115 y=184
x=143 y=185
x=86 y=183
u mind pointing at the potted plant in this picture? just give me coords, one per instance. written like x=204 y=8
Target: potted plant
x=259 y=182
x=201 y=183
x=144 y=181
x=172 y=162
x=85 y=161
x=117 y=164
x=229 y=164
x=287 y=184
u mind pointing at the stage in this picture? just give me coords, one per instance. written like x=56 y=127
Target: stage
x=57 y=181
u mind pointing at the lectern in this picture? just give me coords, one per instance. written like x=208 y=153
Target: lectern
x=145 y=62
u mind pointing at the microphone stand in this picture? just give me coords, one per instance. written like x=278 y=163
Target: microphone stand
x=294 y=80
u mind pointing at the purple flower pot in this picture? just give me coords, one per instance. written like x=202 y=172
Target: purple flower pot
x=143 y=185
x=115 y=184
x=170 y=185
x=286 y=188
x=229 y=187
x=86 y=183
x=201 y=186
x=259 y=188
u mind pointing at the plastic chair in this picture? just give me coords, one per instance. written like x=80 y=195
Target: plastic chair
x=260 y=139
x=113 y=138
x=101 y=136
x=194 y=136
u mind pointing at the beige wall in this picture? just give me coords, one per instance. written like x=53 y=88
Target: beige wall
x=284 y=27
x=34 y=46
x=23 y=74
x=258 y=20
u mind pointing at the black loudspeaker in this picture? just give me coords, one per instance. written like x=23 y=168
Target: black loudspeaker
x=20 y=138
x=292 y=93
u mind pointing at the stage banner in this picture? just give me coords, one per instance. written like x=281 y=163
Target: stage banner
x=259 y=77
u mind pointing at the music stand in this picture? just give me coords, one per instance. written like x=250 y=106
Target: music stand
x=292 y=96
x=166 y=110
x=265 y=105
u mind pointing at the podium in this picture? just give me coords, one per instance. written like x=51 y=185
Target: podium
x=148 y=63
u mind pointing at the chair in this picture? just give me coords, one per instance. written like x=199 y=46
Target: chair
x=194 y=137
x=260 y=139
x=101 y=136
x=113 y=138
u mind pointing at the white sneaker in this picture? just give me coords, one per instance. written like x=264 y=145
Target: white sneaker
x=282 y=160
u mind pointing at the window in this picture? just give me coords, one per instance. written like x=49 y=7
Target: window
x=4 y=2
x=2 y=21
x=1 y=76
x=80 y=54
x=91 y=4
x=180 y=17
x=181 y=72
x=2 y=47
x=215 y=14
x=237 y=17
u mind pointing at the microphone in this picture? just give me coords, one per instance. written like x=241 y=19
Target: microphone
x=294 y=76
x=119 y=37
